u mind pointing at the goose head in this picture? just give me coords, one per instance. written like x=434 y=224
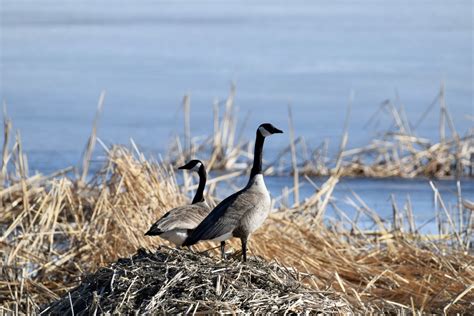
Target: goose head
x=193 y=165
x=267 y=129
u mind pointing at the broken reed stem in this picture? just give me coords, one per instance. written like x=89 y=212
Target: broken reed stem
x=448 y=216
x=296 y=194
x=7 y=126
x=345 y=134
x=460 y=207
x=396 y=215
x=86 y=158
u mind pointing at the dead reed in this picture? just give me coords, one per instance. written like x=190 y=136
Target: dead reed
x=225 y=147
x=400 y=153
x=397 y=152
x=55 y=229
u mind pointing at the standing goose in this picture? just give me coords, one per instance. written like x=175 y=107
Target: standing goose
x=176 y=224
x=243 y=212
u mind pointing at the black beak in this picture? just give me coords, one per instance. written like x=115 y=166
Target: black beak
x=277 y=131
x=153 y=231
x=182 y=167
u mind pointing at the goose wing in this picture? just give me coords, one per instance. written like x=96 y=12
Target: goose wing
x=224 y=218
x=183 y=217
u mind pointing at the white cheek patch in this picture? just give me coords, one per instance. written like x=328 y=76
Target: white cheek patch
x=196 y=167
x=264 y=132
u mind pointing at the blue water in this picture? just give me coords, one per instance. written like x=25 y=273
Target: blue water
x=376 y=194
x=57 y=55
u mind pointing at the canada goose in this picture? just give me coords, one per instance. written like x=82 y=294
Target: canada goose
x=243 y=212
x=176 y=224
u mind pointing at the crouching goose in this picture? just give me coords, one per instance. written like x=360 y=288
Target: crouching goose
x=243 y=212
x=176 y=224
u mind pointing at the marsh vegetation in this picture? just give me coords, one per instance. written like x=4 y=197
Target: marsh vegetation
x=57 y=229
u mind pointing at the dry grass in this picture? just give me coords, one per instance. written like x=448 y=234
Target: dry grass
x=225 y=147
x=375 y=274
x=56 y=229
x=396 y=152
x=172 y=281
x=399 y=152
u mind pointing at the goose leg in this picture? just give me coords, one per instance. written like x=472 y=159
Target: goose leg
x=223 y=249
x=244 y=249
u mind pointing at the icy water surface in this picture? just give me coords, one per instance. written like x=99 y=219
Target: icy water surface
x=57 y=55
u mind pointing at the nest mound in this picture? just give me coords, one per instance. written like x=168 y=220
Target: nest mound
x=179 y=281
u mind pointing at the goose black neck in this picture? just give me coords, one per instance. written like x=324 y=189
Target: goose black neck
x=199 y=196
x=257 y=156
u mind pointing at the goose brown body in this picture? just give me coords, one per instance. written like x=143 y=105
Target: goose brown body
x=240 y=214
x=176 y=225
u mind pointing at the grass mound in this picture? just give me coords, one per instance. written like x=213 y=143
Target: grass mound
x=179 y=281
